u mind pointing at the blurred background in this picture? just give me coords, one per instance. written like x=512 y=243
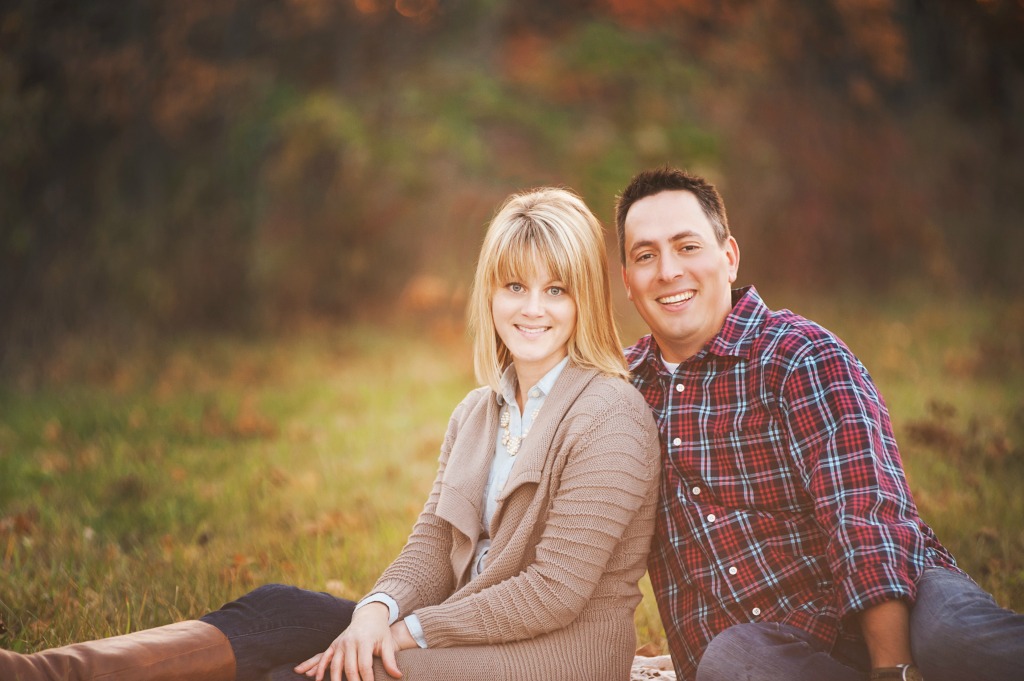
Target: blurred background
x=236 y=237
x=244 y=165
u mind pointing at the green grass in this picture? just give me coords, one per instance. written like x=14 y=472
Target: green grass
x=135 y=498
x=142 y=487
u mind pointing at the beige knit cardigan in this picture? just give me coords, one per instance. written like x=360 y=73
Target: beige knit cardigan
x=569 y=542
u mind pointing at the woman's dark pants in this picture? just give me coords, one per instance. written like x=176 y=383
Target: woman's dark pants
x=278 y=626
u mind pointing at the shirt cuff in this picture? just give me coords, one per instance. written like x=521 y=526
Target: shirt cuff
x=381 y=597
x=412 y=622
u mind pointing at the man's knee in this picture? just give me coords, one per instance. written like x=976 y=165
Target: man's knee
x=729 y=655
x=770 y=652
x=957 y=631
x=949 y=610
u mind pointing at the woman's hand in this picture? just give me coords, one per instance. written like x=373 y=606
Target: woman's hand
x=402 y=635
x=367 y=636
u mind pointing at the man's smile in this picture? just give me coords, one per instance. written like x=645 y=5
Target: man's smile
x=676 y=298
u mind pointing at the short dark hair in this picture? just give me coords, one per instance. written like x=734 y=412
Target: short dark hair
x=651 y=182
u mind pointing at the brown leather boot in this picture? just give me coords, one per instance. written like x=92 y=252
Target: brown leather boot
x=192 y=650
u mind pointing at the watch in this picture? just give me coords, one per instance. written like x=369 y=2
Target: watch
x=901 y=672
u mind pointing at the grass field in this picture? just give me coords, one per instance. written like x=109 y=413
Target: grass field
x=150 y=485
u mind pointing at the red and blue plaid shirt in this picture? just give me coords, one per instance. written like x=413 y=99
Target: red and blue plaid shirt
x=783 y=496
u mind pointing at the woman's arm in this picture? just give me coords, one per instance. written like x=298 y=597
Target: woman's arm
x=611 y=471
x=422 y=574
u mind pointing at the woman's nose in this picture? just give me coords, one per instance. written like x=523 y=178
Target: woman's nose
x=533 y=305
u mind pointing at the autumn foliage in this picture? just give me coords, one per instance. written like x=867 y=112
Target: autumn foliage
x=243 y=163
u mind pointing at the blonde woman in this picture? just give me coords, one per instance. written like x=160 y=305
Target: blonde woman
x=524 y=562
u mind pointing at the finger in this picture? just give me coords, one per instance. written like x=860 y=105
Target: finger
x=325 y=659
x=365 y=664
x=354 y=660
x=387 y=656
x=342 y=663
x=303 y=667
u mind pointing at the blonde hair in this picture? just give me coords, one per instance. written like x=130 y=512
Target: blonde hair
x=554 y=227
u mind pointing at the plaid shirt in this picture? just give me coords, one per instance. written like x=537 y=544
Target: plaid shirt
x=783 y=497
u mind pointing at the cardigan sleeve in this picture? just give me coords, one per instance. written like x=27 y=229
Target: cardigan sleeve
x=611 y=470
x=422 y=572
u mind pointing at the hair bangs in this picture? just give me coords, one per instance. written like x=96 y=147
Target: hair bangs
x=546 y=229
x=528 y=248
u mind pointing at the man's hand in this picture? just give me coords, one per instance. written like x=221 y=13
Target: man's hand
x=366 y=637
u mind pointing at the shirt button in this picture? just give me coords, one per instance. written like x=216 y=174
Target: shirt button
x=733 y=570
x=534 y=393
x=756 y=611
x=711 y=517
x=680 y=387
x=695 y=490
x=678 y=441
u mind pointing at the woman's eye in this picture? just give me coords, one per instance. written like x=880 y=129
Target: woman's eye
x=556 y=290
x=515 y=287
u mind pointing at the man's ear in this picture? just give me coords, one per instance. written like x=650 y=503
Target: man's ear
x=732 y=254
x=625 y=283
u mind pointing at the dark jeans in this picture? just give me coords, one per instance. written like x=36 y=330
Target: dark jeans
x=957 y=633
x=275 y=627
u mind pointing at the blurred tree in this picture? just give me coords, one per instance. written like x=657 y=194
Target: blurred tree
x=864 y=141
x=241 y=163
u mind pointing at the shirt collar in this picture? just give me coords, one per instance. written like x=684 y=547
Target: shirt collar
x=742 y=326
x=510 y=382
x=739 y=331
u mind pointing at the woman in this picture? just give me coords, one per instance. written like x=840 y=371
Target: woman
x=524 y=563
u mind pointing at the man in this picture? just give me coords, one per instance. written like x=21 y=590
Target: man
x=788 y=545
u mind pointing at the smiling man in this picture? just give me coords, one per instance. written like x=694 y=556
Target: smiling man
x=788 y=545
x=670 y=235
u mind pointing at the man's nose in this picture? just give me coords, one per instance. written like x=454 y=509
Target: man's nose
x=669 y=267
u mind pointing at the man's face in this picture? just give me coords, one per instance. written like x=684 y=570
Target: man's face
x=676 y=273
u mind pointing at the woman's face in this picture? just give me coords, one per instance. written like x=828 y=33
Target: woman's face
x=535 y=317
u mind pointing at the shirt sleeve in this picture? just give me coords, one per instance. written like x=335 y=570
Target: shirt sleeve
x=416 y=630
x=412 y=621
x=381 y=597
x=842 y=441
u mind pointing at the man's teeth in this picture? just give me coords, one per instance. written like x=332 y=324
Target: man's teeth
x=678 y=298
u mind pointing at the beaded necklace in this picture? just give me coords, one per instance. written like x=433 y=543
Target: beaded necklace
x=510 y=442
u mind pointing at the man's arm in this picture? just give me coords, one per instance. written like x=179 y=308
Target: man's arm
x=842 y=436
x=886 y=629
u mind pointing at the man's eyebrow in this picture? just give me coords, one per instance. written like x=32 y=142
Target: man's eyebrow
x=637 y=245
x=678 y=236
x=685 y=234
